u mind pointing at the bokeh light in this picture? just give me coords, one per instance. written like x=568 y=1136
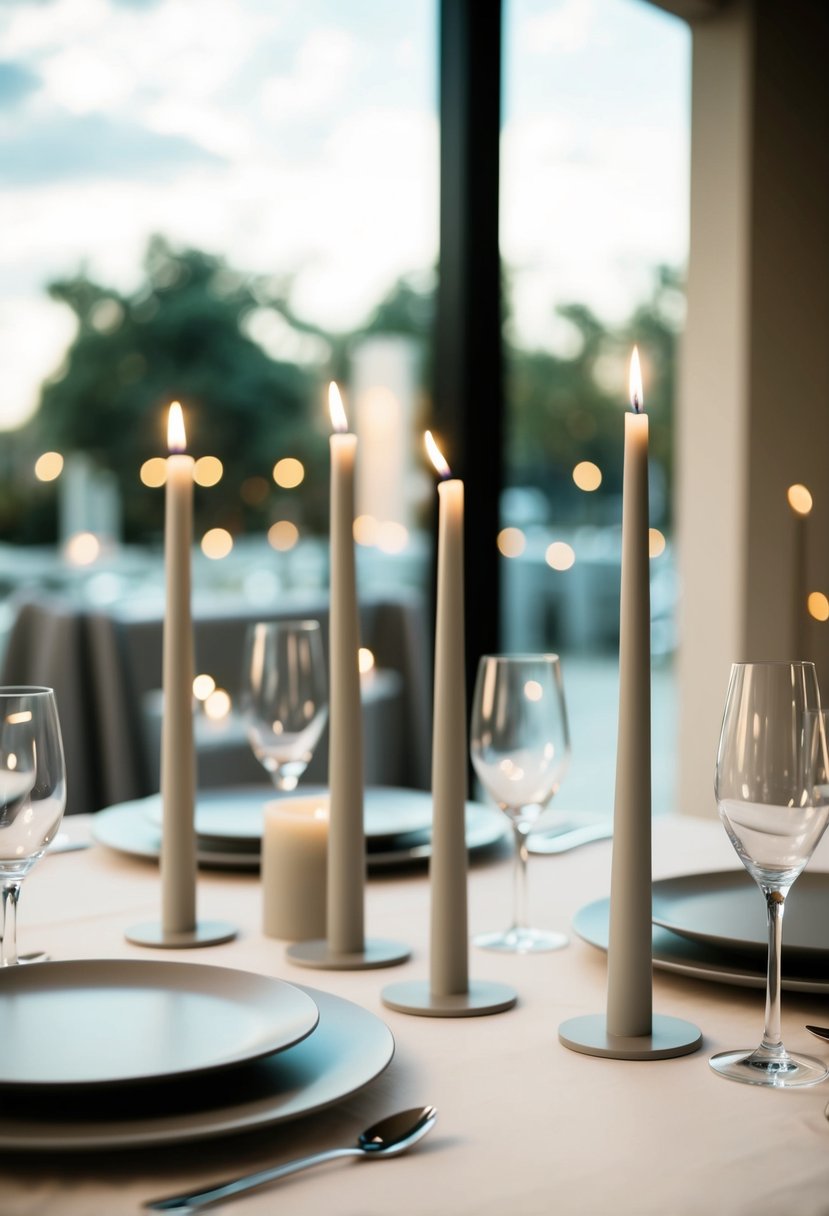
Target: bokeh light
x=818 y=606
x=208 y=471
x=283 y=535
x=560 y=555
x=365 y=530
x=217 y=705
x=82 y=549
x=800 y=500
x=203 y=686
x=392 y=537
x=587 y=476
x=216 y=543
x=48 y=466
x=288 y=473
x=154 y=472
x=365 y=660
x=656 y=542
x=254 y=491
x=511 y=542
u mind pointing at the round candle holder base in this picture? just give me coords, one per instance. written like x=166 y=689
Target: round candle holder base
x=376 y=952
x=205 y=933
x=416 y=997
x=669 y=1037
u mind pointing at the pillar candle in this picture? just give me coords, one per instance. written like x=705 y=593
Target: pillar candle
x=178 y=766
x=346 y=841
x=449 y=974
x=630 y=980
x=294 y=865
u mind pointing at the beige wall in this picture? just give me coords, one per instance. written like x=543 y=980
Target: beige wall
x=754 y=386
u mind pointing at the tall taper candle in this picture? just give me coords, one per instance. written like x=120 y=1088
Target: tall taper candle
x=178 y=766
x=449 y=992
x=346 y=836
x=629 y=1029
x=449 y=974
x=630 y=980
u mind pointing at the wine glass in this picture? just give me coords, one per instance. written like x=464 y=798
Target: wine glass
x=520 y=745
x=284 y=699
x=32 y=795
x=770 y=785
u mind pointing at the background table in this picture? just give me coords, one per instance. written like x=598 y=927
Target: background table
x=525 y=1126
x=105 y=666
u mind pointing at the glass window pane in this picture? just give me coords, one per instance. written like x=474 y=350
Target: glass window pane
x=594 y=239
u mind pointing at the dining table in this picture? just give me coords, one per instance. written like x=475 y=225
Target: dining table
x=524 y=1125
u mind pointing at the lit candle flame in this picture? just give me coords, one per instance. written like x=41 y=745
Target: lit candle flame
x=636 y=397
x=176 y=437
x=436 y=456
x=337 y=409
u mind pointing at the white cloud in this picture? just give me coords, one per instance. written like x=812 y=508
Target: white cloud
x=321 y=72
x=567 y=27
x=34 y=335
x=589 y=227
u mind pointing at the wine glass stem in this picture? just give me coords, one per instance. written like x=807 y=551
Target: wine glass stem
x=8 y=923
x=520 y=901
x=775 y=906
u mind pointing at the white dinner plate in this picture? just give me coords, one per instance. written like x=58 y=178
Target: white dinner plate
x=349 y=1048
x=127 y=829
x=727 y=909
x=236 y=816
x=701 y=960
x=97 y=1022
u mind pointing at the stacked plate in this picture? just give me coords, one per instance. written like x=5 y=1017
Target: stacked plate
x=121 y=1053
x=713 y=927
x=229 y=826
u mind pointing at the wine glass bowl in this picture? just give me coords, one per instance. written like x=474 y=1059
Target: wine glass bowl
x=284 y=698
x=32 y=795
x=771 y=787
x=520 y=747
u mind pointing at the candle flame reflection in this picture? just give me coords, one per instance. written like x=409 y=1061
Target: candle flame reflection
x=176 y=436
x=636 y=396
x=336 y=409
x=436 y=456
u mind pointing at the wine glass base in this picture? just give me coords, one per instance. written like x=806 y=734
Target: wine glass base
x=756 y=1068
x=521 y=941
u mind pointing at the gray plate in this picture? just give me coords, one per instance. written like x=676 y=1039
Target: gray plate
x=234 y=817
x=349 y=1048
x=127 y=829
x=98 y=1022
x=727 y=909
x=700 y=960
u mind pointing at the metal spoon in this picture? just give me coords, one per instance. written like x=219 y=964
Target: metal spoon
x=387 y=1138
x=822 y=1032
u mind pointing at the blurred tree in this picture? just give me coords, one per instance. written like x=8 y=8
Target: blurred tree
x=188 y=334
x=566 y=410
x=251 y=375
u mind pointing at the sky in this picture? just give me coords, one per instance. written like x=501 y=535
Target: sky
x=301 y=137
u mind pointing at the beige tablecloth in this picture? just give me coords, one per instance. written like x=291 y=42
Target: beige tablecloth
x=525 y=1126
